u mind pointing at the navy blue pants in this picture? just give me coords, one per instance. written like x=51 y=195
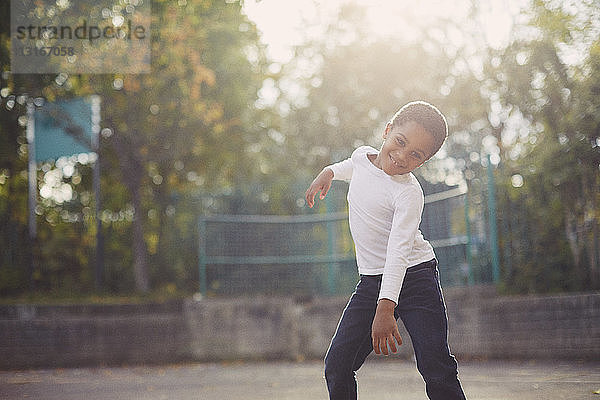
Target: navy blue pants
x=422 y=310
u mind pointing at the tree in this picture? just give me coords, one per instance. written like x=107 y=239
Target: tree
x=556 y=151
x=356 y=81
x=14 y=90
x=188 y=116
x=173 y=136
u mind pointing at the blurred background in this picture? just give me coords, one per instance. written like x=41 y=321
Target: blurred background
x=247 y=101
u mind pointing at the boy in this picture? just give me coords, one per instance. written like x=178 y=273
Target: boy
x=397 y=266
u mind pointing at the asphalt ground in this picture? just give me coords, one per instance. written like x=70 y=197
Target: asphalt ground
x=379 y=379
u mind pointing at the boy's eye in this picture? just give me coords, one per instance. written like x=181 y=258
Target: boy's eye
x=400 y=141
x=416 y=155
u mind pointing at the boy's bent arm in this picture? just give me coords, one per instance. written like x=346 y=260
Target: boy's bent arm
x=342 y=171
x=322 y=183
x=339 y=171
x=405 y=226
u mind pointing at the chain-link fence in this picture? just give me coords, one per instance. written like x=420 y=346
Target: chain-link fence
x=301 y=255
x=314 y=254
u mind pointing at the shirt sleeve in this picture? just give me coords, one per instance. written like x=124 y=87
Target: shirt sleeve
x=405 y=225
x=342 y=171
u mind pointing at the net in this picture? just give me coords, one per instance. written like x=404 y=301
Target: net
x=314 y=254
x=254 y=254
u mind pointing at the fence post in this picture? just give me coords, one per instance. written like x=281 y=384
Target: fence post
x=202 y=256
x=493 y=225
x=470 y=278
x=331 y=275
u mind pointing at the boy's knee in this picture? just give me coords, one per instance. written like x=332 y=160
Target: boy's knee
x=329 y=365
x=334 y=368
x=332 y=375
x=341 y=382
x=437 y=368
x=444 y=387
x=440 y=377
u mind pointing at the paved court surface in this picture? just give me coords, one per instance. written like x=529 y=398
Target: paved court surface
x=381 y=380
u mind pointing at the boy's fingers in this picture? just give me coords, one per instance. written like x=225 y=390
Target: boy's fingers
x=309 y=201
x=376 y=346
x=387 y=344
x=398 y=337
x=311 y=193
x=392 y=344
x=380 y=346
x=324 y=191
x=310 y=197
x=384 y=347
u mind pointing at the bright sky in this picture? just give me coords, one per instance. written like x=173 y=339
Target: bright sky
x=284 y=23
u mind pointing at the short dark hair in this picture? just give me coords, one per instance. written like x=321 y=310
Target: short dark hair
x=426 y=115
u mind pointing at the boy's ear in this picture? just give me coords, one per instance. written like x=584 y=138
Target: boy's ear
x=387 y=130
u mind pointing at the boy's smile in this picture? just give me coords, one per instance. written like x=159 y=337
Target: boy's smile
x=405 y=148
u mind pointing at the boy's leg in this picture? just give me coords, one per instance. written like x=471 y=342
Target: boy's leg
x=422 y=310
x=352 y=343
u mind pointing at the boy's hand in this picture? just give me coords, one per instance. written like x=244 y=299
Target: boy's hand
x=385 y=328
x=321 y=183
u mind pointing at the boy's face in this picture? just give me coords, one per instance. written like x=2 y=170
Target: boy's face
x=405 y=148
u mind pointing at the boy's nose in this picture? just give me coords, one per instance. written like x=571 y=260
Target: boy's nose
x=399 y=155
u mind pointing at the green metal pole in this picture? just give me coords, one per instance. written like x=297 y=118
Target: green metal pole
x=32 y=190
x=331 y=273
x=202 y=256
x=470 y=278
x=493 y=225
x=507 y=233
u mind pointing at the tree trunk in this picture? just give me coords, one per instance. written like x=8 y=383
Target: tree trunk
x=132 y=169
x=162 y=252
x=140 y=265
x=572 y=237
x=594 y=251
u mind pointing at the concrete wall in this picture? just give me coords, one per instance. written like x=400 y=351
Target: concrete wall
x=482 y=325
x=41 y=336
x=559 y=327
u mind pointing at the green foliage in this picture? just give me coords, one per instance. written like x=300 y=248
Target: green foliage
x=558 y=157
x=177 y=133
x=199 y=135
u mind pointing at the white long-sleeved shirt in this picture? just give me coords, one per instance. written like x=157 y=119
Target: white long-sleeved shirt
x=384 y=215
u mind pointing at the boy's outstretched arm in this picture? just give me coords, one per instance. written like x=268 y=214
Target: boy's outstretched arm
x=321 y=183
